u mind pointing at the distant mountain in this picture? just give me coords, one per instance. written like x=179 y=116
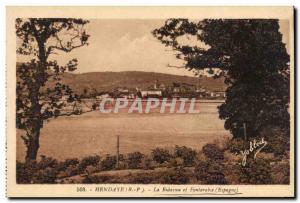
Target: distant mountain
x=107 y=81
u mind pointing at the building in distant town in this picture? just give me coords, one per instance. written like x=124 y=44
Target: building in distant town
x=200 y=90
x=188 y=87
x=220 y=94
x=151 y=93
x=131 y=96
x=183 y=88
x=176 y=89
x=216 y=94
x=159 y=86
x=122 y=90
x=102 y=96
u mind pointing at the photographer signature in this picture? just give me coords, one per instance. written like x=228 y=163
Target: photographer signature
x=255 y=147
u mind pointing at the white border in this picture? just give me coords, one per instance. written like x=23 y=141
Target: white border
x=104 y=2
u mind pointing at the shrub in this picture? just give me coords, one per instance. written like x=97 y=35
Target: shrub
x=256 y=171
x=24 y=172
x=230 y=171
x=175 y=176
x=135 y=160
x=72 y=170
x=187 y=154
x=96 y=179
x=148 y=164
x=175 y=162
x=201 y=170
x=143 y=179
x=232 y=157
x=94 y=106
x=69 y=172
x=109 y=163
x=88 y=161
x=44 y=171
x=47 y=175
x=210 y=172
x=211 y=151
x=123 y=165
x=78 y=111
x=92 y=169
x=235 y=145
x=160 y=155
x=281 y=173
x=71 y=162
x=62 y=166
x=47 y=162
x=278 y=141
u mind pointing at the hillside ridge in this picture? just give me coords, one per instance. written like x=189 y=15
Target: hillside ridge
x=108 y=81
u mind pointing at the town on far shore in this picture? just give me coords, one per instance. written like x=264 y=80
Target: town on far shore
x=157 y=90
x=90 y=99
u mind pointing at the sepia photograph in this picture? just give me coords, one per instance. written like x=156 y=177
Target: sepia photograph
x=161 y=105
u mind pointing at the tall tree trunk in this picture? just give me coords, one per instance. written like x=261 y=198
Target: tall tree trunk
x=33 y=145
x=35 y=126
x=36 y=120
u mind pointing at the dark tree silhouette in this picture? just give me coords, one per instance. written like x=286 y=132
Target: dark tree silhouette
x=40 y=38
x=252 y=58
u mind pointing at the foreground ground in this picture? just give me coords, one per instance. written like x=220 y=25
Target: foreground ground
x=75 y=149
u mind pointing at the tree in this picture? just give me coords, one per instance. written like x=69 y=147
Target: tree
x=85 y=93
x=40 y=38
x=250 y=54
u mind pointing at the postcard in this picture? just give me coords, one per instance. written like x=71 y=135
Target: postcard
x=156 y=102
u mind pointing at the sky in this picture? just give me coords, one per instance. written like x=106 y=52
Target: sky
x=128 y=45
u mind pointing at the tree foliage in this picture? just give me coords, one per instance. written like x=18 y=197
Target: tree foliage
x=250 y=54
x=39 y=38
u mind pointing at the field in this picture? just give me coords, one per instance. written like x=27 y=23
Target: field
x=95 y=133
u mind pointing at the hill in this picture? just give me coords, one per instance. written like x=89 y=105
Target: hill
x=107 y=81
